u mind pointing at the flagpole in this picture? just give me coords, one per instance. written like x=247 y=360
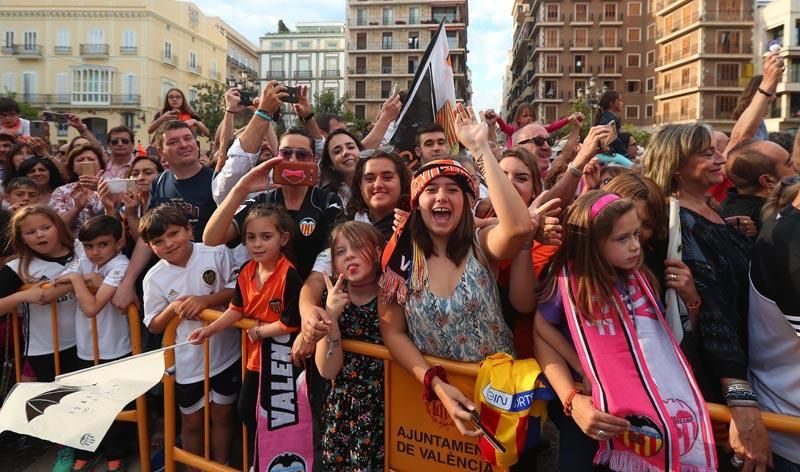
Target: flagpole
x=118 y=361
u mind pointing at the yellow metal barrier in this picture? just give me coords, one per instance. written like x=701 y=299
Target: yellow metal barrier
x=173 y=453
x=138 y=415
x=417 y=436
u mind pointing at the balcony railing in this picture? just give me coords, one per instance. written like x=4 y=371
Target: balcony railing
x=584 y=69
x=331 y=73
x=215 y=75
x=24 y=50
x=683 y=84
x=603 y=70
x=610 y=18
x=195 y=69
x=678 y=54
x=683 y=115
x=552 y=44
x=126 y=100
x=128 y=50
x=727 y=48
x=614 y=43
x=171 y=60
x=552 y=19
x=727 y=81
x=69 y=99
x=728 y=15
x=581 y=18
x=276 y=74
x=582 y=44
x=302 y=74
x=62 y=50
x=96 y=50
x=411 y=20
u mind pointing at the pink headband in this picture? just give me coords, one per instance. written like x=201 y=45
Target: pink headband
x=601 y=203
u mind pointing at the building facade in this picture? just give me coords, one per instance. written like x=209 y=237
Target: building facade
x=562 y=48
x=705 y=58
x=386 y=41
x=672 y=60
x=312 y=55
x=779 y=21
x=111 y=62
x=242 y=61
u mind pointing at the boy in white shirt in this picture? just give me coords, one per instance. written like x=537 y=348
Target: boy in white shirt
x=189 y=278
x=101 y=260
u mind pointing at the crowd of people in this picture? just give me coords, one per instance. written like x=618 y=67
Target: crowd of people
x=555 y=252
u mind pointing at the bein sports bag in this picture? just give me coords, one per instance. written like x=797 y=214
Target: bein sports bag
x=512 y=401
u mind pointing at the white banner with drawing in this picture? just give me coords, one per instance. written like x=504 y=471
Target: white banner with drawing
x=78 y=408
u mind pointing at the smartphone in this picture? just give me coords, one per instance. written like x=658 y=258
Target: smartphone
x=612 y=134
x=246 y=98
x=87 y=168
x=38 y=129
x=476 y=420
x=54 y=117
x=395 y=90
x=293 y=95
x=304 y=174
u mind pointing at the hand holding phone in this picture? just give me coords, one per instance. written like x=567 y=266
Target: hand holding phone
x=612 y=134
x=293 y=97
x=476 y=420
x=54 y=117
x=87 y=168
x=246 y=98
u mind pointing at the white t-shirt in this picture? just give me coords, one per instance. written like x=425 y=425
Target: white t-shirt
x=324 y=263
x=209 y=270
x=113 y=331
x=40 y=327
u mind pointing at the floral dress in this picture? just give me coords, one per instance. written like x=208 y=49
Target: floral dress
x=61 y=201
x=467 y=326
x=352 y=416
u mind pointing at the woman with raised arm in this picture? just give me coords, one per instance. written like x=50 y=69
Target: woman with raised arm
x=445 y=302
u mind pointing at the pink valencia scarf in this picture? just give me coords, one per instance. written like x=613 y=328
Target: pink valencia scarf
x=637 y=372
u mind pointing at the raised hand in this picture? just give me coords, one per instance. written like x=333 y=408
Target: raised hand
x=233 y=101
x=272 y=97
x=257 y=179
x=470 y=132
x=303 y=106
x=337 y=298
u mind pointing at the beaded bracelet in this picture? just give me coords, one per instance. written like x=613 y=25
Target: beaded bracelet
x=262 y=114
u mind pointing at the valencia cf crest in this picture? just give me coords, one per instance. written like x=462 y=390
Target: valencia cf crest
x=307 y=226
x=644 y=436
x=276 y=305
x=685 y=422
x=209 y=276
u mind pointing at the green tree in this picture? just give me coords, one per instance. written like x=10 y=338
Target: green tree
x=328 y=102
x=210 y=104
x=641 y=136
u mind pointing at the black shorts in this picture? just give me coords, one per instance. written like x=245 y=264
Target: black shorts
x=224 y=387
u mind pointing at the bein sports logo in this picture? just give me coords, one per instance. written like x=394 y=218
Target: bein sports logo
x=507 y=401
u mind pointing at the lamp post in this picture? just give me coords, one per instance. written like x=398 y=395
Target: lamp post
x=590 y=95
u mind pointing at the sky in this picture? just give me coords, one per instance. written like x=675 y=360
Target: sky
x=488 y=39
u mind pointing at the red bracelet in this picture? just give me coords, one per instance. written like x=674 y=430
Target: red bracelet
x=568 y=402
x=436 y=371
x=695 y=305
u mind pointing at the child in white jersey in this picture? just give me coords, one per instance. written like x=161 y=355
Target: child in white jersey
x=189 y=278
x=44 y=246
x=102 y=241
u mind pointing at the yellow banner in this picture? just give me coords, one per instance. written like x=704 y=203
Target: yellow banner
x=422 y=436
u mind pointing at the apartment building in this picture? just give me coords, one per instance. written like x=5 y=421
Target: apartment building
x=242 y=60
x=561 y=48
x=109 y=61
x=705 y=58
x=311 y=55
x=780 y=20
x=673 y=60
x=386 y=41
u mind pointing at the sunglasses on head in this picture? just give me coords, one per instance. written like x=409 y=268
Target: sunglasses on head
x=367 y=153
x=538 y=140
x=300 y=154
x=121 y=140
x=790 y=180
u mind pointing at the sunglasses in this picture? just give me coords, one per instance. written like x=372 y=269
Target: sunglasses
x=300 y=154
x=538 y=140
x=367 y=153
x=120 y=140
x=788 y=181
